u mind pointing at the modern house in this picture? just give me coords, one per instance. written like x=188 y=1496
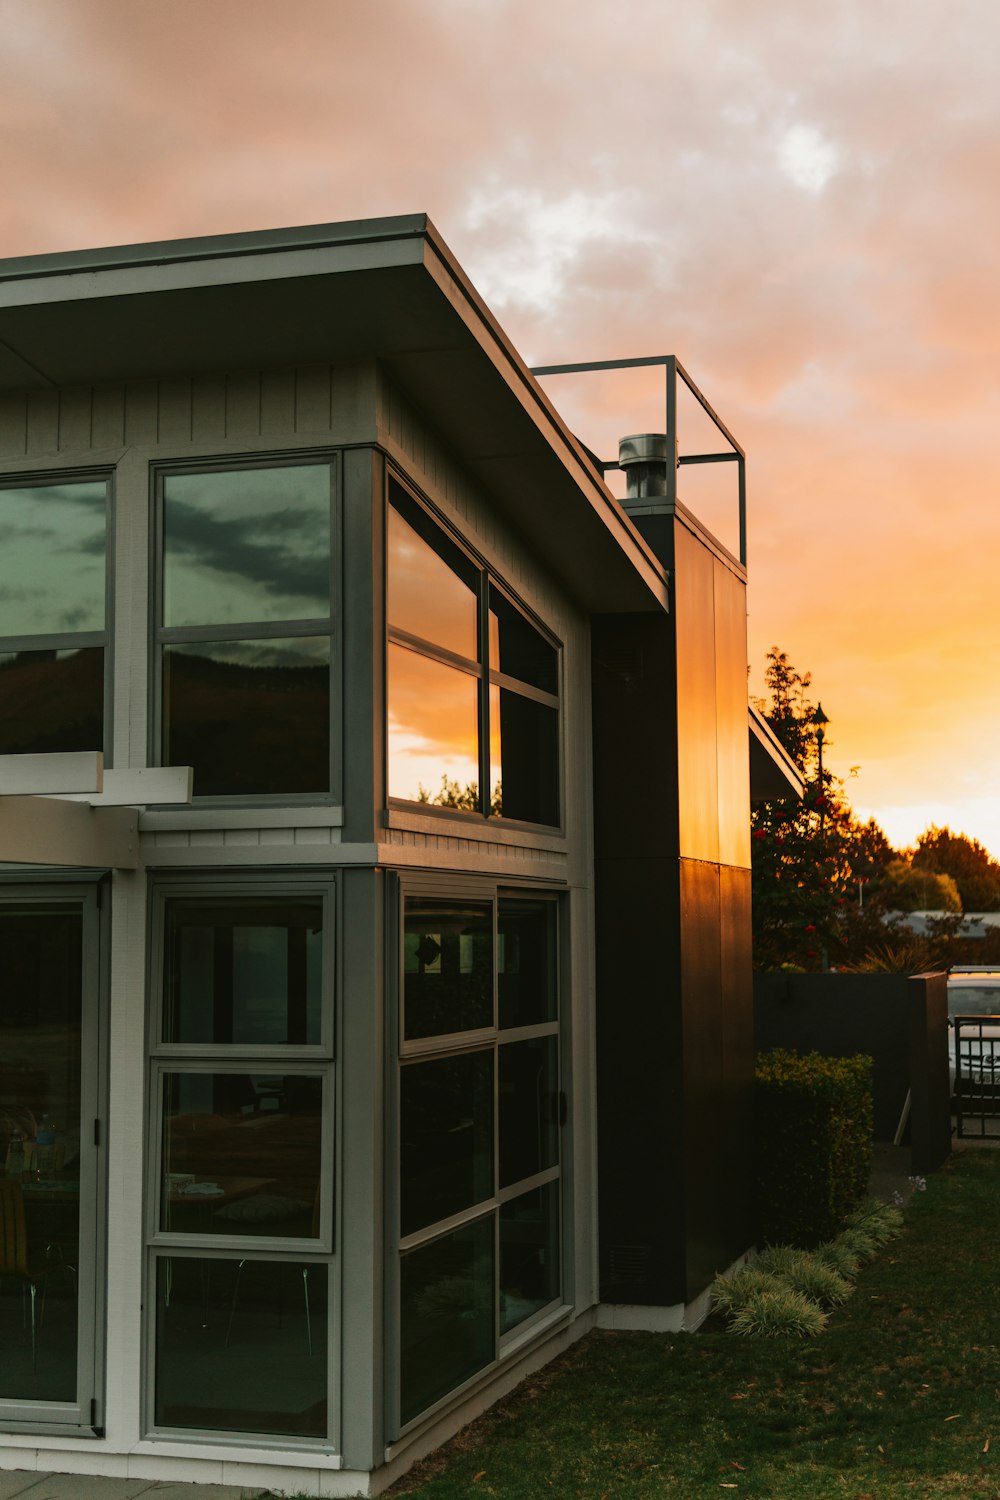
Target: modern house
x=375 y=994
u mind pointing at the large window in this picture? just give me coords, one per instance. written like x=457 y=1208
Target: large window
x=244 y=632
x=480 y=1109
x=473 y=683
x=53 y=615
x=241 y=1171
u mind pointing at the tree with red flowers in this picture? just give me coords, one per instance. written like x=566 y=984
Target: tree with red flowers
x=815 y=865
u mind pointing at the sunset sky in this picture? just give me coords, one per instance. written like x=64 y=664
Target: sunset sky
x=801 y=201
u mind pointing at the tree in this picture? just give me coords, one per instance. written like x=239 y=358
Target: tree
x=973 y=869
x=816 y=867
x=908 y=889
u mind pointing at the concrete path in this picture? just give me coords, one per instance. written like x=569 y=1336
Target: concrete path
x=24 y=1484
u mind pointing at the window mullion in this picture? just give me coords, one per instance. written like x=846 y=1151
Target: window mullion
x=485 y=790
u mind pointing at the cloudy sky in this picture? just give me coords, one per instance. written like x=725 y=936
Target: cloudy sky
x=801 y=201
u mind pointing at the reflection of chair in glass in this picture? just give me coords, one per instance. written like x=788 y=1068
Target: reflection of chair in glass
x=305 y=1282
x=14 y=1260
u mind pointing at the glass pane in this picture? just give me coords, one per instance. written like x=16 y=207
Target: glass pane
x=247 y=972
x=251 y=544
x=526 y=962
x=51 y=701
x=241 y=1345
x=446 y=1314
x=447 y=966
x=529 y=1254
x=41 y=958
x=433 y=732
x=524 y=757
x=528 y=1105
x=426 y=595
x=241 y=1154
x=446 y=1137
x=519 y=650
x=52 y=558
x=251 y=717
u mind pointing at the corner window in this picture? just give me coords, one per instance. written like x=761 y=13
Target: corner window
x=480 y=1109
x=473 y=683
x=244 y=629
x=53 y=615
x=240 y=1203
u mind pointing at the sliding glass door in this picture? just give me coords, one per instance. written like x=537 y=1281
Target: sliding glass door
x=49 y=1003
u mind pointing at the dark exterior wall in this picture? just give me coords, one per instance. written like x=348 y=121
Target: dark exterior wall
x=717 y=994
x=675 y=1017
x=900 y=1022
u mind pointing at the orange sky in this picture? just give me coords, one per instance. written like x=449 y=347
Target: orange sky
x=801 y=202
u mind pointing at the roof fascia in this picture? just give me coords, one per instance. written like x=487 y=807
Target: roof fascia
x=212 y=247
x=184 y=273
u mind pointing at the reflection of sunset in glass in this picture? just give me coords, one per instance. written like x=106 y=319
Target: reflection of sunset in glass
x=425 y=597
x=433 y=725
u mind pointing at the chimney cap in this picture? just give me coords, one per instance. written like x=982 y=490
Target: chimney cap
x=642 y=448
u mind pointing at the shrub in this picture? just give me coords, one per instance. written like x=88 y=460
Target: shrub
x=805 y=1272
x=880 y=1221
x=778 y=1313
x=730 y=1292
x=864 y=1245
x=813 y=1143
x=839 y=1257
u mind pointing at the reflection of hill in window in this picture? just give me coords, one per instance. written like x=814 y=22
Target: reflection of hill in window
x=247 y=729
x=51 y=701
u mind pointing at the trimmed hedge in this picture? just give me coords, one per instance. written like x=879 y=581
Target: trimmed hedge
x=813 y=1144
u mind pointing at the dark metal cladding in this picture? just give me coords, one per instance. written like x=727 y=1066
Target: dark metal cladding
x=674 y=983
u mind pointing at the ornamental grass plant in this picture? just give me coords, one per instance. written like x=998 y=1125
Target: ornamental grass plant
x=896 y=1400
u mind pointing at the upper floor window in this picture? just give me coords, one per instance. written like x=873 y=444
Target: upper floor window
x=244 y=627
x=53 y=615
x=473 y=683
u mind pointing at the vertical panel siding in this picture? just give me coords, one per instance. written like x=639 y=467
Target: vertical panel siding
x=141 y=416
x=243 y=405
x=175 y=411
x=208 y=408
x=312 y=399
x=13 y=424
x=43 y=421
x=75 y=419
x=277 y=403
x=108 y=429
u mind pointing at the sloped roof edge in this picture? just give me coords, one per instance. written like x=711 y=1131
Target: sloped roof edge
x=773 y=773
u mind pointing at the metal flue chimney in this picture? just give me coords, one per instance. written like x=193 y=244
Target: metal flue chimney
x=643 y=457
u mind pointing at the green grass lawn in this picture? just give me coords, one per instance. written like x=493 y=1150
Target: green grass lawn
x=899 y=1397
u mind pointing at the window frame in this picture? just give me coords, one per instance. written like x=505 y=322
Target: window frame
x=485 y=676
x=404 y=1053
x=213 y=1058
x=331 y=626
x=83 y=639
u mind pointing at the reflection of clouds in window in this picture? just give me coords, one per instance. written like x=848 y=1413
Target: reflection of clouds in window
x=71 y=619
x=304 y=651
x=52 y=548
x=252 y=544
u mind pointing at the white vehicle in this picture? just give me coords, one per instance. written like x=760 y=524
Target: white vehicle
x=975 y=991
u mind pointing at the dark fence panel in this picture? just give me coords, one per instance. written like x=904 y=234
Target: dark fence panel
x=901 y=1022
